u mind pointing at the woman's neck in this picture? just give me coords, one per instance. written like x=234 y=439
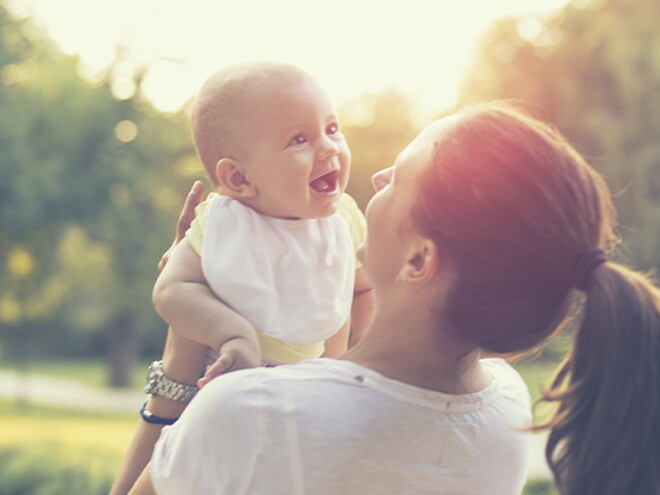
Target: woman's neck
x=421 y=354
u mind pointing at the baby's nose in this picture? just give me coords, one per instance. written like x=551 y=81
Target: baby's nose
x=329 y=149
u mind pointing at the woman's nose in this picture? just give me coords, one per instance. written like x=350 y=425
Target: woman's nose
x=381 y=178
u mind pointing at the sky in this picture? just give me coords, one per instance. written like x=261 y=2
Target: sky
x=352 y=47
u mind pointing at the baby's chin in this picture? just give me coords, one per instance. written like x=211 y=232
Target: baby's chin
x=326 y=210
x=313 y=212
x=315 y=205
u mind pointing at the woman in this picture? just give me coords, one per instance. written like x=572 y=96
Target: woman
x=478 y=238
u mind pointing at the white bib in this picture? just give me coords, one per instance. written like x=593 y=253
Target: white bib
x=292 y=279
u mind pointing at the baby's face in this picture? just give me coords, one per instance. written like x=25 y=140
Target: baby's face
x=295 y=154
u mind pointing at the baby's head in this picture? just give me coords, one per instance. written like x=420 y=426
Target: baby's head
x=269 y=137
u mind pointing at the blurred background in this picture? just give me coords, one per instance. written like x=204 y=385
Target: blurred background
x=96 y=158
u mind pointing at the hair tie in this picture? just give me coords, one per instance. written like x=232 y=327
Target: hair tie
x=586 y=264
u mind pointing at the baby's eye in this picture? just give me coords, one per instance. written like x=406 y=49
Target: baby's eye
x=297 y=139
x=332 y=129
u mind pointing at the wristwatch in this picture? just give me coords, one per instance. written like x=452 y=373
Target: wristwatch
x=158 y=383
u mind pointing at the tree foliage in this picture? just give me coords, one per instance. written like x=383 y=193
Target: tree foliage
x=593 y=69
x=90 y=186
x=377 y=127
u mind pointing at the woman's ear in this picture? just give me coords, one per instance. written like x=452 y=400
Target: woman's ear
x=231 y=179
x=422 y=262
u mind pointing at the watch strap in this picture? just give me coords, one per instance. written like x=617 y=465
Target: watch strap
x=158 y=383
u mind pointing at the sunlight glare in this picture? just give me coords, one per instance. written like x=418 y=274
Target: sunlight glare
x=421 y=47
x=126 y=131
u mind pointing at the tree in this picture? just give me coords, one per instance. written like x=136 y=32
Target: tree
x=377 y=127
x=90 y=188
x=593 y=69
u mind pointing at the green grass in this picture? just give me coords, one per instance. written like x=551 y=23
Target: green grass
x=45 y=426
x=538 y=369
x=86 y=448
x=91 y=372
x=25 y=472
x=537 y=375
x=52 y=450
x=540 y=487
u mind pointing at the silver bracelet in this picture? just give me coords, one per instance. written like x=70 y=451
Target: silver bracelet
x=158 y=383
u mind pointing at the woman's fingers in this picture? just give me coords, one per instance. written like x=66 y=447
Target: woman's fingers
x=194 y=197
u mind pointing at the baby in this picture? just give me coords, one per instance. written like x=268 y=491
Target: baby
x=267 y=272
x=276 y=243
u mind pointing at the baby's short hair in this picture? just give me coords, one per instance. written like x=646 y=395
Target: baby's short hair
x=218 y=109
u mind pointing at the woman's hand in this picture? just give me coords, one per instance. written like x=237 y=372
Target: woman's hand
x=194 y=198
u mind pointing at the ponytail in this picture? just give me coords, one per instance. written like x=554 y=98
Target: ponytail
x=605 y=436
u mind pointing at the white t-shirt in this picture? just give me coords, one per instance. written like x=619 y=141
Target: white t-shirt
x=256 y=264
x=332 y=427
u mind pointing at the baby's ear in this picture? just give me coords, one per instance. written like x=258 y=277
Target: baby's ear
x=231 y=179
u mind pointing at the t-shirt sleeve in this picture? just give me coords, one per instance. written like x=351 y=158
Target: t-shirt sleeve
x=195 y=234
x=357 y=223
x=220 y=427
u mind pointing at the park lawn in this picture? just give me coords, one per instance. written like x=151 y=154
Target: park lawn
x=536 y=371
x=537 y=375
x=91 y=372
x=91 y=440
x=52 y=444
x=60 y=451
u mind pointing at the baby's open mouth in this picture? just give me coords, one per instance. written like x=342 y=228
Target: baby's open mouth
x=326 y=184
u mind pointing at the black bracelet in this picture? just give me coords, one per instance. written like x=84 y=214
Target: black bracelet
x=150 y=417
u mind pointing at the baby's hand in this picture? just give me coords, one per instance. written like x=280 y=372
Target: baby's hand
x=235 y=354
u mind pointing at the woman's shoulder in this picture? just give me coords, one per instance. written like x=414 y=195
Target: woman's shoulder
x=233 y=392
x=507 y=379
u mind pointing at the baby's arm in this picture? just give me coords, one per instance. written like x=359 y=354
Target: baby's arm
x=183 y=299
x=358 y=323
x=363 y=307
x=336 y=345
